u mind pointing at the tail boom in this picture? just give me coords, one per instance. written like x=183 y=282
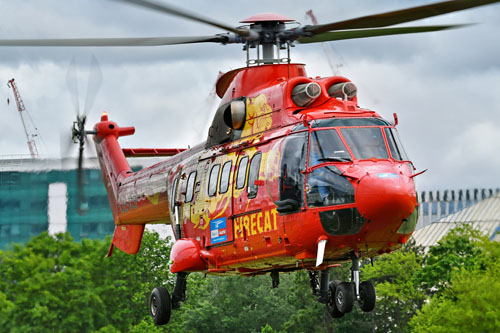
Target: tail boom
x=132 y=205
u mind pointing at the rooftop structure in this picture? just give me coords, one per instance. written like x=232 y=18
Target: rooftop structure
x=484 y=215
x=436 y=204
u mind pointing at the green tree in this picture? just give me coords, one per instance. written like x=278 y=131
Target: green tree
x=457 y=250
x=470 y=303
x=53 y=284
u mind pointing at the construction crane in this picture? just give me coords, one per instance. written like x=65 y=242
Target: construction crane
x=327 y=48
x=30 y=131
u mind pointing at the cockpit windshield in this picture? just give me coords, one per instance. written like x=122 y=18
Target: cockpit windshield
x=326 y=146
x=365 y=142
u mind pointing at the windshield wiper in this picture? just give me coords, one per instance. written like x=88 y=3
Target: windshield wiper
x=334 y=159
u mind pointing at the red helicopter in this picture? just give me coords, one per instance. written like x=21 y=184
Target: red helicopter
x=293 y=175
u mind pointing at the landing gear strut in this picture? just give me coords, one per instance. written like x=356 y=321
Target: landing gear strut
x=275 y=277
x=160 y=302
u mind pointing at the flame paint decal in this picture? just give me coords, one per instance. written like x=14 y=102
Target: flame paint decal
x=259 y=117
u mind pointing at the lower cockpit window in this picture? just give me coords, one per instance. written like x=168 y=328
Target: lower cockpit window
x=365 y=142
x=327 y=187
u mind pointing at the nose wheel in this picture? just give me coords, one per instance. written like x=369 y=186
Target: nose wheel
x=343 y=295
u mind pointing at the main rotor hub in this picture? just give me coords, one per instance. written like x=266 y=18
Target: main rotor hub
x=270 y=28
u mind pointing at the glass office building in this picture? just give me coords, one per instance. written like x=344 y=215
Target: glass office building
x=41 y=195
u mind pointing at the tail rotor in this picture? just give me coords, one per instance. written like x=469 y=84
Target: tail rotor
x=78 y=131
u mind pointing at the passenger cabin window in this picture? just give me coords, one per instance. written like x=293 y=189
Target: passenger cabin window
x=190 y=186
x=253 y=175
x=172 y=195
x=212 y=181
x=242 y=173
x=224 y=177
x=365 y=142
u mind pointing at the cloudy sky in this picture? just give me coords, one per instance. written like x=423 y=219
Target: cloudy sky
x=444 y=86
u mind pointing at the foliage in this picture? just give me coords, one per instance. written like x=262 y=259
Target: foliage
x=457 y=250
x=470 y=303
x=399 y=296
x=53 y=284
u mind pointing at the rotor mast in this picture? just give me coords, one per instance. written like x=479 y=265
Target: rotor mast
x=270 y=28
x=30 y=134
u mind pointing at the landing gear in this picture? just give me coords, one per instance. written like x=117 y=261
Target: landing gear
x=179 y=293
x=367 y=296
x=275 y=277
x=332 y=308
x=341 y=296
x=344 y=297
x=160 y=306
x=160 y=302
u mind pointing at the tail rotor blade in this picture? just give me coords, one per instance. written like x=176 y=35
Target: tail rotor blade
x=94 y=84
x=72 y=85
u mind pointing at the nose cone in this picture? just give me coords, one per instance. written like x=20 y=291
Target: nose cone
x=386 y=196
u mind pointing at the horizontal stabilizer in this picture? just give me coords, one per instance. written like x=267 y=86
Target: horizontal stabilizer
x=127 y=238
x=151 y=152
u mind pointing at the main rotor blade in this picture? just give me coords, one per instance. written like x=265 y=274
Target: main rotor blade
x=363 y=33
x=399 y=16
x=138 y=41
x=169 y=9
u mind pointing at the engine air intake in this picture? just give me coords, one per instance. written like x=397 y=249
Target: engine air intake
x=305 y=94
x=344 y=90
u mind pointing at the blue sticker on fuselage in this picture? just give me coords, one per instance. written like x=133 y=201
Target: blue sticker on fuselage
x=218 y=230
x=387 y=175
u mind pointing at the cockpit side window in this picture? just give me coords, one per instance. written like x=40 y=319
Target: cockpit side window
x=399 y=145
x=291 y=180
x=365 y=142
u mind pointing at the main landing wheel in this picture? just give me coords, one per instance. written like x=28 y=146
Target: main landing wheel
x=160 y=306
x=367 y=296
x=344 y=297
x=330 y=305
